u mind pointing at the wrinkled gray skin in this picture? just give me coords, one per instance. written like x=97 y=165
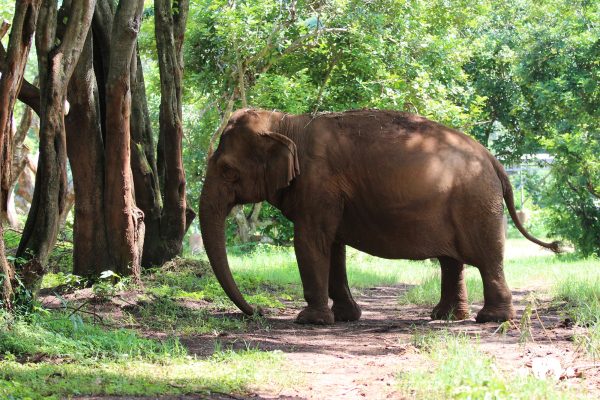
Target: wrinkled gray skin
x=394 y=185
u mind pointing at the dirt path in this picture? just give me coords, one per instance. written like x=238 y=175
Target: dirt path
x=361 y=359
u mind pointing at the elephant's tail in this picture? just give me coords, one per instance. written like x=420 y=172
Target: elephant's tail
x=510 y=205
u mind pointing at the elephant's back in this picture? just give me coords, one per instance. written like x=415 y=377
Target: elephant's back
x=415 y=179
x=398 y=155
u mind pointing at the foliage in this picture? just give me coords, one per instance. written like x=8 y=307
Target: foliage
x=537 y=64
x=500 y=71
x=23 y=301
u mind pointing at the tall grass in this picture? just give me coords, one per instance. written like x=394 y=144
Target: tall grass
x=581 y=298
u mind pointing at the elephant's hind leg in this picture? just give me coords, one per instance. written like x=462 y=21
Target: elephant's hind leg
x=497 y=297
x=344 y=307
x=453 y=300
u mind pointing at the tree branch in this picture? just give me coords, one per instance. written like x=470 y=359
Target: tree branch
x=79 y=21
x=334 y=61
x=299 y=43
x=4 y=28
x=29 y=93
x=221 y=128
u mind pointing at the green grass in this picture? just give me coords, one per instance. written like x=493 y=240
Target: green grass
x=522 y=271
x=579 y=297
x=277 y=265
x=192 y=280
x=225 y=372
x=168 y=315
x=427 y=293
x=58 y=334
x=462 y=371
x=76 y=357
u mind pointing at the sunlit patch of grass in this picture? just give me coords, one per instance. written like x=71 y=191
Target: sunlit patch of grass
x=59 y=334
x=427 y=293
x=225 y=372
x=277 y=265
x=545 y=271
x=200 y=284
x=368 y=271
x=521 y=271
x=56 y=355
x=462 y=371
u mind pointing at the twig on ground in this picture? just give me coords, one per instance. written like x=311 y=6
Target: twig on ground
x=537 y=315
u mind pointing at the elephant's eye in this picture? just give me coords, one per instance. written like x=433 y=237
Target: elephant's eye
x=229 y=173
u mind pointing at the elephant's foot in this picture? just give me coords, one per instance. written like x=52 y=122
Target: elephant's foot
x=496 y=314
x=320 y=316
x=347 y=311
x=451 y=311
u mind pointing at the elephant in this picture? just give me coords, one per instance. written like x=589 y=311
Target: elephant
x=392 y=184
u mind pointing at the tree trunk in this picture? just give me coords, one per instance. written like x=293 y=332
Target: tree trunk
x=86 y=156
x=247 y=225
x=19 y=160
x=124 y=219
x=24 y=22
x=56 y=65
x=143 y=165
x=164 y=236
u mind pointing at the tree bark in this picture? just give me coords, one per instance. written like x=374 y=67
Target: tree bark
x=56 y=64
x=124 y=219
x=24 y=22
x=85 y=148
x=28 y=94
x=167 y=224
x=143 y=165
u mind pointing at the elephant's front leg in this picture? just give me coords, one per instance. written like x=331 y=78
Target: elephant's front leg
x=313 y=252
x=344 y=307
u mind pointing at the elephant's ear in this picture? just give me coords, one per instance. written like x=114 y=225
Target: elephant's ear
x=281 y=161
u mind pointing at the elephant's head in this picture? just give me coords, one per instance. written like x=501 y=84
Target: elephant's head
x=251 y=164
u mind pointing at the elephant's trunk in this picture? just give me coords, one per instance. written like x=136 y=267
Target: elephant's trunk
x=214 y=208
